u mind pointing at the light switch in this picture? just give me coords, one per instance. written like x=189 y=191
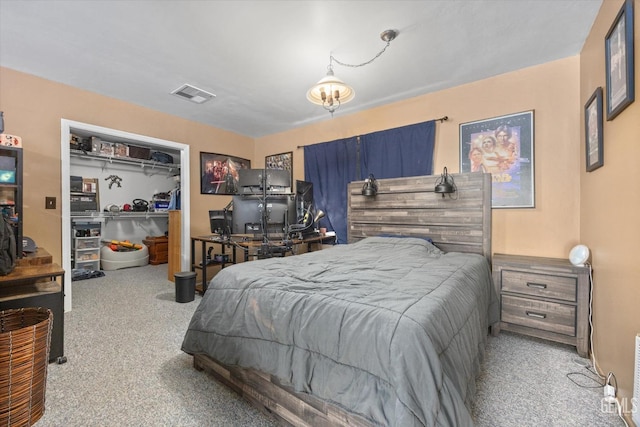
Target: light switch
x=49 y=202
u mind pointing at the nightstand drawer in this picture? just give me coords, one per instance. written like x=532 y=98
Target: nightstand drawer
x=547 y=316
x=540 y=285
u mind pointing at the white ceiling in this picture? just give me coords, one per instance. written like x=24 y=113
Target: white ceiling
x=260 y=57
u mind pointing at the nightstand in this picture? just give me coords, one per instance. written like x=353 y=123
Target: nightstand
x=544 y=297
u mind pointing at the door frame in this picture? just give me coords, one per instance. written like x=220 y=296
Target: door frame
x=65 y=132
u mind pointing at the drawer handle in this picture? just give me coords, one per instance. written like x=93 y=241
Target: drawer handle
x=536 y=315
x=537 y=285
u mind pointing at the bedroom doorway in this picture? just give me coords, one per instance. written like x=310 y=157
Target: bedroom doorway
x=69 y=127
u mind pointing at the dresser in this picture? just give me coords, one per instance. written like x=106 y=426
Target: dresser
x=544 y=297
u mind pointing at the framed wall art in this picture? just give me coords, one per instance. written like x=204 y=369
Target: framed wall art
x=502 y=146
x=219 y=173
x=282 y=161
x=618 y=44
x=593 y=131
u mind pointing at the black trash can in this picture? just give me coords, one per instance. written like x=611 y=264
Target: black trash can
x=185 y=286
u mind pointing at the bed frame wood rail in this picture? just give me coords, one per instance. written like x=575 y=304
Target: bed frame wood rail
x=268 y=395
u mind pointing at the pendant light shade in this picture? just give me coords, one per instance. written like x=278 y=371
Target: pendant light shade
x=330 y=92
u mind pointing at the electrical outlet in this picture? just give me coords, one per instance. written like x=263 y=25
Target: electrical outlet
x=49 y=202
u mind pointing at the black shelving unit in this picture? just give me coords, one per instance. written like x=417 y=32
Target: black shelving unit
x=11 y=190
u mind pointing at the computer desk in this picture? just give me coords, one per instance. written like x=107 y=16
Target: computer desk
x=251 y=249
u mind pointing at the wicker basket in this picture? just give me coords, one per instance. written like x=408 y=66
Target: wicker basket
x=25 y=337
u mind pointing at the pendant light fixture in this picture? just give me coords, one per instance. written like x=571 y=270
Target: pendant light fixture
x=331 y=92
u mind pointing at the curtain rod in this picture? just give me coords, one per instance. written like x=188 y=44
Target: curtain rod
x=441 y=119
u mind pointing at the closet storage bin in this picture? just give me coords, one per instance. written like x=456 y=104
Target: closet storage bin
x=25 y=337
x=87 y=253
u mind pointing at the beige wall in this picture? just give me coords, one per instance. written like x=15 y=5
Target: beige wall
x=551 y=90
x=609 y=205
x=33 y=108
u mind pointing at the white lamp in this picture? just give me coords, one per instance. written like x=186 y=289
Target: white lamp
x=579 y=255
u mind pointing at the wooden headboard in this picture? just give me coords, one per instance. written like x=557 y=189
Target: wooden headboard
x=460 y=222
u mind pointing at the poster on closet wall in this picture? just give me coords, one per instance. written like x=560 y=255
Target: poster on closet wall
x=502 y=146
x=219 y=173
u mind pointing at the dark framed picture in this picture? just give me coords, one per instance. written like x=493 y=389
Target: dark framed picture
x=618 y=46
x=593 y=130
x=502 y=146
x=282 y=161
x=219 y=173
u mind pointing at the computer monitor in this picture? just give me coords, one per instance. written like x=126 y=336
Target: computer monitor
x=246 y=210
x=250 y=216
x=278 y=180
x=250 y=180
x=272 y=181
x=220 y=221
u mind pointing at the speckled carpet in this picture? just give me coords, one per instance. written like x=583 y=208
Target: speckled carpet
x=125 y=368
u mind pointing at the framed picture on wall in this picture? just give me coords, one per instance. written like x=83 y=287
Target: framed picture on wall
x=593 y=130
x=618 y=44
x=282 y=161
x=219 y=173
x=502 y=146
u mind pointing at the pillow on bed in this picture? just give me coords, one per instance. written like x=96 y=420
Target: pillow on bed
x=428 y=243
x=428 y=239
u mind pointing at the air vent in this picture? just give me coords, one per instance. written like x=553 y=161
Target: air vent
x=193 y=94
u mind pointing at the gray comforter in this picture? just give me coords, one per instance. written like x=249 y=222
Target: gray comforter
x=390 y=328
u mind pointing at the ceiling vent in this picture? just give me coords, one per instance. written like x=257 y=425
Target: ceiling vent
x=193 y=94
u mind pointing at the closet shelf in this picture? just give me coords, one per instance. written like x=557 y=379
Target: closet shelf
x=118 y=215
x=146 y=165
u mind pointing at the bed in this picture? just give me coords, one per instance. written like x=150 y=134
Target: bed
x=383 y=331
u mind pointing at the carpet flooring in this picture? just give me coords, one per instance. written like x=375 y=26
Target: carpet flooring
x=125 y=368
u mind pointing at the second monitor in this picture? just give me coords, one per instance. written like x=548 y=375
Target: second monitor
x=251 y=216
x=272 y=181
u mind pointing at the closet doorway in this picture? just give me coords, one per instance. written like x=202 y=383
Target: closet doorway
x=68 y=128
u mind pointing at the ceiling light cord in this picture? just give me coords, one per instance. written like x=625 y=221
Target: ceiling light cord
x=333 y=59
x=331 y=92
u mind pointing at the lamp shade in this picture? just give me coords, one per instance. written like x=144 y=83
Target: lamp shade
x=329 y=85
x=579 y=255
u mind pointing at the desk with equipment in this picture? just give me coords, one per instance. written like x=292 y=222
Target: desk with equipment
x=250 y=248
x=264 y=219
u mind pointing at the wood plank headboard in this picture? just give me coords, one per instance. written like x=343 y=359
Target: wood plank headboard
x=460 y=222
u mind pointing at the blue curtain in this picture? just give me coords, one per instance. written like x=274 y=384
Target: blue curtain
x=331 y=166
x=399 y=152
